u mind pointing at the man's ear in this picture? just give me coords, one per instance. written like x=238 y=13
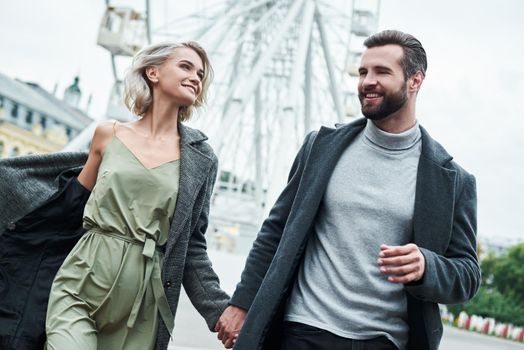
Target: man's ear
x=152 y=74
x=416 y=81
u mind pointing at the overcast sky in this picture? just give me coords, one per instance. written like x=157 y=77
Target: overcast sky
x=471 y=100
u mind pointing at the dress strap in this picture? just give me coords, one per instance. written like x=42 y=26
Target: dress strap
x=114 y=128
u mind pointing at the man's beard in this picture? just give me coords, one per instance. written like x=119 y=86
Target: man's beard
x=390 y=104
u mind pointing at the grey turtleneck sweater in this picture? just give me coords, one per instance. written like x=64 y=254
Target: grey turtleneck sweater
x=369 y=201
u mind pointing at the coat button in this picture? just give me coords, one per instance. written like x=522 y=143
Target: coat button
x=168 y=284
x=11 y=226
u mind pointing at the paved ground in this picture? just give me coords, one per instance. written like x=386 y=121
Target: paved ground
x=455 y=339
x=191 y=332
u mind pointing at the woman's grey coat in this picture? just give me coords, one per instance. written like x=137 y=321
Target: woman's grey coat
x=27 y=182
x=444 y=230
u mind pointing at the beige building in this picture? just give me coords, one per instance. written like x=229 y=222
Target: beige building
x=34 y=121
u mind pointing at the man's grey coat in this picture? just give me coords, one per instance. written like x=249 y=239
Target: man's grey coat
x=27 y=182
x=444 y=228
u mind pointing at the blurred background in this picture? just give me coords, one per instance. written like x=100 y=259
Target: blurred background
x=282 y=69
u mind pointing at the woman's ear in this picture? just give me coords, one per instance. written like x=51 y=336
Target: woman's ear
x=152 y=74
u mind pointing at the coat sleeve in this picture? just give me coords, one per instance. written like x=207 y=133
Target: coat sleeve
x=454 y=277
x=268 y=238
x=200 y=280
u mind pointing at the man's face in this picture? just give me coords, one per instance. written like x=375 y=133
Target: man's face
x=382 y=88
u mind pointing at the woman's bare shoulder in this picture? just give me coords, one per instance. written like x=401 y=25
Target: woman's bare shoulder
x=103 y=134
x=105 y=128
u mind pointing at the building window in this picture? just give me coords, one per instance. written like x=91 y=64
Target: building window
x=14 y=152
x=14 y=111
x=1 y=148
x=69 y=132
x=29 y=117
x=43 y=121
x=1 y=101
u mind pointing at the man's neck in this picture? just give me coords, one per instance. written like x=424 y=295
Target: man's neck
x=397 y=122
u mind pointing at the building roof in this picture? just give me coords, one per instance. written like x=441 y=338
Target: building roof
x=34 y=97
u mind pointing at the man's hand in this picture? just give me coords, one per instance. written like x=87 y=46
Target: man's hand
x=229 y=324
x=403 y=263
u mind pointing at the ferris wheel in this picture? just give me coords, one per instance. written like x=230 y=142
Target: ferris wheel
x=282 y=68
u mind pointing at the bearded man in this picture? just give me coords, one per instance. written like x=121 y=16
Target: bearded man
x=376 y=226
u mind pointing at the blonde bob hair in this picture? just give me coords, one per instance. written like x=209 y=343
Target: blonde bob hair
x=138 y=94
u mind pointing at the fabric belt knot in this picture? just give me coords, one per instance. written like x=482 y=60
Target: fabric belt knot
x=149 y=248
x=152 y=274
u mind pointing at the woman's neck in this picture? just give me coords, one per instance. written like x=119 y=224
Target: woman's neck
x=160 y=120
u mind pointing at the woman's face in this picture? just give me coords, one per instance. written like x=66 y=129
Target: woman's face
x=179 y=78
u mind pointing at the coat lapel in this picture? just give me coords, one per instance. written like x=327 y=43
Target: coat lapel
x=434 y=198
x=194 y=170
x=323 y=157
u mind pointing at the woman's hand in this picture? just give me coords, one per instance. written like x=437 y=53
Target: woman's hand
x=229 y=325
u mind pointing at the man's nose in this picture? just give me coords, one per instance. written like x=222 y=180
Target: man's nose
x=369 y=80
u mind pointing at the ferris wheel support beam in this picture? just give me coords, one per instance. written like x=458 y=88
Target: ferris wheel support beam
x=258 y=152
x=113 y=63
x=298 y=66
x=244 y=92
x=113 y=66
x=148 y=21
x=232 y=78
x=348 y=49
x=333 y=81
x=307 y=90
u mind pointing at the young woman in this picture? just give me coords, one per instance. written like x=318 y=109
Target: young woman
x=145 y=219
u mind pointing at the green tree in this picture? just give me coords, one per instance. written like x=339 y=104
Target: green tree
x=508 y=273
x=502 y=293
x=491 y=303
x=487 y=266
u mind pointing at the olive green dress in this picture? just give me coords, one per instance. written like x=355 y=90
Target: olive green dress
x=108 y=292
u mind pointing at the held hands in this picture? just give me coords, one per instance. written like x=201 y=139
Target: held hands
x=403 y=264
x=229 y=324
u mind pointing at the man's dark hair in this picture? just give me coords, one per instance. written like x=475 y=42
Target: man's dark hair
x=414 y=59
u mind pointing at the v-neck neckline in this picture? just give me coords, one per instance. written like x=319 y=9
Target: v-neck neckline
x=138 y=159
